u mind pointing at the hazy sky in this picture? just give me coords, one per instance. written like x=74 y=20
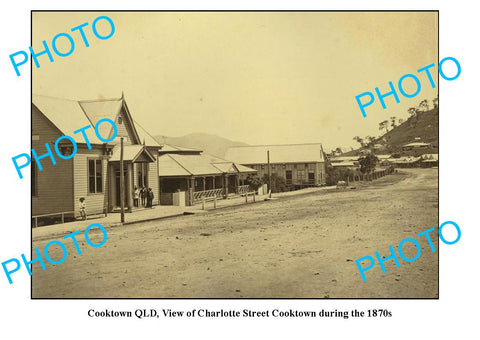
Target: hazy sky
x=259 y=78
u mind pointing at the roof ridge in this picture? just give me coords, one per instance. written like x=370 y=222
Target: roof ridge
x=52 y=97
x=99 y=100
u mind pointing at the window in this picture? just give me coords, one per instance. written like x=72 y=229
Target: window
x=95 y=176
x=34 y=178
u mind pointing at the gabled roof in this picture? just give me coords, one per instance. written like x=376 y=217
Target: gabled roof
x=132 y=153
x=145 y=136
x=289 y=153
x=244 y=169
x=70 y=115
x=67 y=116
x=196 y=165
x=99 y=109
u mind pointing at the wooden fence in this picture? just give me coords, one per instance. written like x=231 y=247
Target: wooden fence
x=369 y=177
x=243 y=189
x=207 y=194
x=61 y=214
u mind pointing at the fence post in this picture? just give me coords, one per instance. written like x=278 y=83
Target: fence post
x=254 y=197
x=203 y=203
x=215 y=201
x=246 y=197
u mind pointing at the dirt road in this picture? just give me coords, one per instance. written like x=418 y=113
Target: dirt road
x=299 y=246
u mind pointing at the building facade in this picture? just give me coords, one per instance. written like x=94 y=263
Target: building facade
x=199 y=175
x=302 y=165
x=94 y=171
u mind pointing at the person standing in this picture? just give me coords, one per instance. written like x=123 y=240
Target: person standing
x=143 y=195
x=136 y=195
x=150 y=196
x=83 y=205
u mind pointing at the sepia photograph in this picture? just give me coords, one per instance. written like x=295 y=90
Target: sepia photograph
x=234 y=154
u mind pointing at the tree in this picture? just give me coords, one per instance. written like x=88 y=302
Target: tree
x=278 y=182
x=369 y=140
x=412 y=111
x=393 y=120
x=423 y=105
x=400 y=121
x=338 y=151
x=338 y=174
x=254 y=181
x=368 y=163
x=383 y=125
x=359 y=140
x=435 y=102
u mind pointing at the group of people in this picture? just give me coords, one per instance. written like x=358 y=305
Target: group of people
x=143 y=196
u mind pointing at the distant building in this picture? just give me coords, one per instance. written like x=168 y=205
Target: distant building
x=344 y=162
x=301 y=165
x=429 y=160
x=406 y=162
x=416 y=146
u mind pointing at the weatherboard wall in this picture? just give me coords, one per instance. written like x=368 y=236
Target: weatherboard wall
x=54 y=188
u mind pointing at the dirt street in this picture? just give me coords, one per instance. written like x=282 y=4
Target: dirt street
x=302 y=246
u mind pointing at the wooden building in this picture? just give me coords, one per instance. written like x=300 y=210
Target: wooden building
x=198 y=174
x=302 y=165
x=92 y=173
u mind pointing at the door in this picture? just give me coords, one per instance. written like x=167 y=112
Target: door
x=117 y=187
x=288 y=177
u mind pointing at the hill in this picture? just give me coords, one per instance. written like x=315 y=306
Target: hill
x=211 y=144
x=424 y=125
x=421 y=127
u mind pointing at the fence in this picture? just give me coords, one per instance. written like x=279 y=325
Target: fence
x=207 y=194
x=369 y=177
x=62 y=214
x=243 y=189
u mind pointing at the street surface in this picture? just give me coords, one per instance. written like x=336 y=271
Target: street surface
x=301 y=246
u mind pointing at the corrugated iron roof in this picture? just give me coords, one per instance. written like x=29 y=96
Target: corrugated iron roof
x=67 y=115
x=196 y=165
x=145 y=136
x=70 y=115
x=289 y=153
x=167 y=166
x=244 y=169
x=417 y=144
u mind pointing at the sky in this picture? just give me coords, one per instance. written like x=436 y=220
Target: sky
x=254 y=77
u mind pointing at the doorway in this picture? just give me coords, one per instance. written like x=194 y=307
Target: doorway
x=117 y=188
